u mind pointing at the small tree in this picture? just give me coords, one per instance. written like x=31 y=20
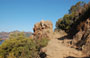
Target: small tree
x=74 y=13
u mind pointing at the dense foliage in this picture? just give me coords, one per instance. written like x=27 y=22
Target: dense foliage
x=19 y=46
x=74 y=14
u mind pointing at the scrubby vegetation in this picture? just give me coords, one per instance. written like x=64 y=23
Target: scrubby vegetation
x=19 y=46
x=75 y=22
x=76 y=11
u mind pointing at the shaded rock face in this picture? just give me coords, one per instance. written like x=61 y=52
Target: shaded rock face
x=43 y=29
x=86 y=47
x=82 y=39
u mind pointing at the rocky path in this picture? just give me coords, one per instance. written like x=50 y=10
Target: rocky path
x=56 y=49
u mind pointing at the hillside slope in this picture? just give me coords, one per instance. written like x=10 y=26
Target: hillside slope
x=57 y=49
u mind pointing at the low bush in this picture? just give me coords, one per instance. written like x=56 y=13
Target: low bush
x=22 y=47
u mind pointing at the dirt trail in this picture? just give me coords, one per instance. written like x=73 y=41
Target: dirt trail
x=56 y=49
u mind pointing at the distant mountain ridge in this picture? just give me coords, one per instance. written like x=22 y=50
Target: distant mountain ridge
x=5 y=35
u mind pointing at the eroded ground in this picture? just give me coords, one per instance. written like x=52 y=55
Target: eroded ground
x=57 y=49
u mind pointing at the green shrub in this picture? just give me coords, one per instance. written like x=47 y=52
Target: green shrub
x=65 y=23
x=21 y=47
x=25 y=46
x=74 y=15
x=42 y=42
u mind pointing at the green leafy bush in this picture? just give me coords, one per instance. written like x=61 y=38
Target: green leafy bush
x=41 y=42
x=72 y=17
x=19 y=46
x=25 y=46
x=65 y=23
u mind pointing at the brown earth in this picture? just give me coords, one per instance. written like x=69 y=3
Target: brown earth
x=57 y=49
x=60 y=46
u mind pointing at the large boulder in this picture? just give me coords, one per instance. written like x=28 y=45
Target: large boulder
x=43 y=29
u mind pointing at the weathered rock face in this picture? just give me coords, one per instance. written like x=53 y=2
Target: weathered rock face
x=86 y=47
x=82 y=38
x=43 y=29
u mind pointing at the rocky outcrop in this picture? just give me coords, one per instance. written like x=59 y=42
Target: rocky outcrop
x=82 y=39
x=43 y=29
x=86 y=47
